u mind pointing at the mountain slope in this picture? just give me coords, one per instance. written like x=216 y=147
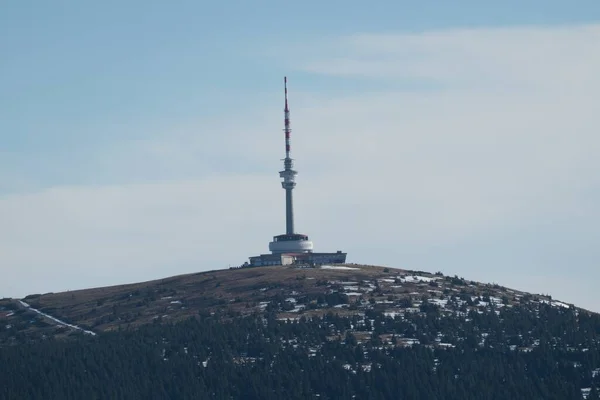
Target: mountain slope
x=350 y=331
x=288 y=291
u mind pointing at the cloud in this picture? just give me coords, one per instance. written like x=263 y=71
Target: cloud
x=491 y=175
x=504 y=143
x=518 y=57
x=69 y=237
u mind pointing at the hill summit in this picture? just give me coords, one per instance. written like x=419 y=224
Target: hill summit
x=290 y=292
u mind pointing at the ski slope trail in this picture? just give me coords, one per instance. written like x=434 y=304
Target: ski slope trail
x=58 y=321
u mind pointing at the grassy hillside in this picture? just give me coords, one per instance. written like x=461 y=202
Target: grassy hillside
x=288 y=291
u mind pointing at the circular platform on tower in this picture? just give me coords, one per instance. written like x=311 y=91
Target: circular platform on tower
x=294 y=243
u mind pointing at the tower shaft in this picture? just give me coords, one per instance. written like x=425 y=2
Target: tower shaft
x=289 y=212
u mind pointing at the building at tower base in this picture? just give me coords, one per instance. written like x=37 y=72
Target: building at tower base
x=297 y=259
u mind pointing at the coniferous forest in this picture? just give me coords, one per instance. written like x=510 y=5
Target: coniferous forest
x=518 y=353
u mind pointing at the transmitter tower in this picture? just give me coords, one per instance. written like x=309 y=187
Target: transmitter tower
x=288 y=174
x=292 y=247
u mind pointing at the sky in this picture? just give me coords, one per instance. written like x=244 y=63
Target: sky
x=143 y=139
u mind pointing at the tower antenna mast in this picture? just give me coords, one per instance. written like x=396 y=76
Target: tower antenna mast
x=288 y=129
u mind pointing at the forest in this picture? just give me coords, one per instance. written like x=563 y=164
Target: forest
x=540 y=352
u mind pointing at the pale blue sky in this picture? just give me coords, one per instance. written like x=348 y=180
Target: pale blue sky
x=74 y=73
x=112 y=108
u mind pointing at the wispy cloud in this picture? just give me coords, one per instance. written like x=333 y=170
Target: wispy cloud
x=525 y=57
x=67 y=237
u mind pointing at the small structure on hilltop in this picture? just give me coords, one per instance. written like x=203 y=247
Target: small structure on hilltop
x=292 y=247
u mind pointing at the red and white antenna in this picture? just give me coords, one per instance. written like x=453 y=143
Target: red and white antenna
x=287 y=129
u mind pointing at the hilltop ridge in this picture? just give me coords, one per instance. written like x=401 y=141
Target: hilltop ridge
x=288 y=291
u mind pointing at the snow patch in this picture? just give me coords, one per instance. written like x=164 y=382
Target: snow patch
x=555 y=303
x=585 y=392
x=337 y=267
x=58 y=321
x=415 y=279
x=441 y=303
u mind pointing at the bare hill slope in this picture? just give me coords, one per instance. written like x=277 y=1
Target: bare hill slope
x=290 y=292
